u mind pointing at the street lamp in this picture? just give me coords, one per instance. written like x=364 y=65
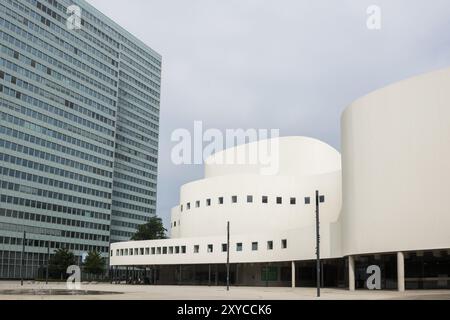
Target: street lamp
x=319 y=199
x=228 y=256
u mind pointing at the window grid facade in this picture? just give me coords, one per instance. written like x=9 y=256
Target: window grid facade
x=79 y=128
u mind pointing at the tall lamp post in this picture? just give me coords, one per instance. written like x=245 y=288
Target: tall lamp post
x=319 y=199
x=22 y=266
x=228 y=256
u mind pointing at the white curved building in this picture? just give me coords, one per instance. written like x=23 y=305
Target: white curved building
x=389 y=206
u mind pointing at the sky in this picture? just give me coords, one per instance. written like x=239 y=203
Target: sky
x=292 y=65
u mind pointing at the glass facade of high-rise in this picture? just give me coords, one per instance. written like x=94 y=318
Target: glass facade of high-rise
x=79 y=122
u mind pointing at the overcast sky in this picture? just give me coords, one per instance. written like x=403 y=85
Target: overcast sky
x=292 y=65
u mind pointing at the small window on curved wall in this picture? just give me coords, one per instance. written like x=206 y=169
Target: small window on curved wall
x=220 y=200
x=279 y=200
x=188 y=206
x=254 y=246
x=265 y=199
x=197 y=204
x=269 y=245
x=234 y=199
x=181 y=208
x=239 y=246
x=208 y=202
x=283 y=244
x=210 y=248
x=293 y=201
x=249 y=199
x=307 y=200
x=196 y=248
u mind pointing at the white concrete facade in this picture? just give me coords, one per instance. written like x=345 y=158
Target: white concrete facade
x=285 y=224
x=396 y=168
x=390 y=197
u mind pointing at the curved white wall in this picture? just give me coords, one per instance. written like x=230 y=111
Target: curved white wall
x=256 y=216
x=396 y=167
x=306 y=165
x=296 y=156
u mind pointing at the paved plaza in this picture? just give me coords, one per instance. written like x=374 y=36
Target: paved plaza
x=102 y=291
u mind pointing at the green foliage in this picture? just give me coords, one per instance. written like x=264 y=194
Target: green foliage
x=59 y=263
x=153 y=229
x=94 y=264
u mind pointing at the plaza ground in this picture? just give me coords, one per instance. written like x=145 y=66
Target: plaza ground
x=147 y=292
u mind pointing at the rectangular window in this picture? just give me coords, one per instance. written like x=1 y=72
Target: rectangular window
x=269 y=245
x=208 y=202
x=181 y=208
x=220 y=200
x=197 y=204
x=210 y=248
x=170 y=250
x=249 y=199
x=279 y=200
x=177 y=250
x=153 y=250
x=147 y=251
x=188 y=206
x=196 y=248
x=183 y=249
x=254 y=246
x=234 y=199
x=283 y=244
x=224 y=247
x=265 y=199
x=307 y=200
x=239 y=246
x=158 y=250
x=293 y=200
x=269 y=274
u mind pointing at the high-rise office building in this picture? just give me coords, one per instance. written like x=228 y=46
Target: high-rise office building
x=79 y=120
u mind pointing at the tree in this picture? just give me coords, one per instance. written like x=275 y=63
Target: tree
x=153 y=229
x=60 y=261
x=94 y=263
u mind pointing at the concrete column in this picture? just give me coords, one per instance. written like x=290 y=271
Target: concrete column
x=209 y=275
x=293 y=274
x=401 y=271
x=351 y=273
